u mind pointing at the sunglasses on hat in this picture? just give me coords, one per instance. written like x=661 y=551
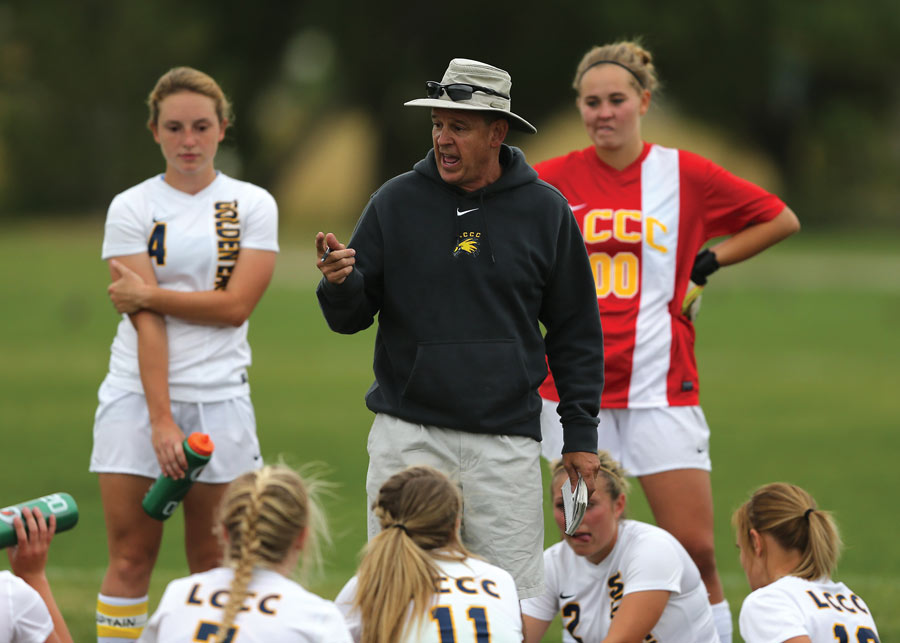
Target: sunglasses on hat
x=458 y=91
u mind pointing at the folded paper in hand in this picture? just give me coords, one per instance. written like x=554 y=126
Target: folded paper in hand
x=574 y=503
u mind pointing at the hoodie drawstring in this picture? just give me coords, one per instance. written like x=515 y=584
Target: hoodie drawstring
x=487 y=233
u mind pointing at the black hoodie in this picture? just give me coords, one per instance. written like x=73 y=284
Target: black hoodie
x=459 y=281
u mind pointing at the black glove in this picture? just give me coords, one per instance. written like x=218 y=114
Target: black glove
x=705 y=263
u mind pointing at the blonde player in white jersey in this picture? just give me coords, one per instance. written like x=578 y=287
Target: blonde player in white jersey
x=28 y=611
x=456 y=598
x=191 y=252
x=270 y=519
x=789 y=548
x=617 y=580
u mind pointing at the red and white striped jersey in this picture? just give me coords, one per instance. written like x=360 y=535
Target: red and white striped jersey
x=643 y=226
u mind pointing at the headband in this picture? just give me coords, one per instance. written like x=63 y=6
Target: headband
x=612 y=62
x=612 y=474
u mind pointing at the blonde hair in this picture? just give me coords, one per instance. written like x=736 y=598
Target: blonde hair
x=790 y=515
x=629 y=54
x=263 y=513
x=188 y=79
x=418 y=509
x=611 y=474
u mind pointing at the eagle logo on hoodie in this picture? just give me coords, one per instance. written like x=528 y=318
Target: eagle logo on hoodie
x=467 y=243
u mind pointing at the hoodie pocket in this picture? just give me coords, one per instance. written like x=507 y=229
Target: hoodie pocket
x=479 y=384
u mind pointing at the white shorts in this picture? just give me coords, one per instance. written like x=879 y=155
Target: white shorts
x=643 y=441
x=122 y=435
x=500 y=480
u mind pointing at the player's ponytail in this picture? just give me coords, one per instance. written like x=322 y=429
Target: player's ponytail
x=791 y=516
x=264 y=514
x=418 y=510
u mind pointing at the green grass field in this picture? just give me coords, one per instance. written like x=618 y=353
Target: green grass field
x=797 y=352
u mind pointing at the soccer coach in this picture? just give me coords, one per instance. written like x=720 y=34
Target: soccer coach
x=462 y=259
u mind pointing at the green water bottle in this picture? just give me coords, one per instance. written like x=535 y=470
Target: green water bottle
x=60 y=504
x=164 y=495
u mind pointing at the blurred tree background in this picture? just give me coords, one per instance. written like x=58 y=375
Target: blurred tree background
x=318 y=89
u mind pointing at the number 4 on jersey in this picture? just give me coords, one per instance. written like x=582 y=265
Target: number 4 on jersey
x=156 y=246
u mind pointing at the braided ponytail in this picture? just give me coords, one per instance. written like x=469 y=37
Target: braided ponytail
x=263 y=513
x=243 y=550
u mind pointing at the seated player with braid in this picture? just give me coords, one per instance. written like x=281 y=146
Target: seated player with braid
x=418 y=553
x=269 y=519
x=617 y=580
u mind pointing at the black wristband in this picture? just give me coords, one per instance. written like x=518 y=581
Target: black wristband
x=705 y=263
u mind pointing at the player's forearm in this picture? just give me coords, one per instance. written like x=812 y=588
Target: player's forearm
x=40 y=584
x=211 y=307
x=153 y=363
x=230 y=306
x=638 y=613
x=756 y=238
x=534 y=629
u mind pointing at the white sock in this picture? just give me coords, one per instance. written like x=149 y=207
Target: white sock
x=120 y=620
x=722 y=618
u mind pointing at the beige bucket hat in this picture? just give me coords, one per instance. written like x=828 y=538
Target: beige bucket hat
x=472 y=85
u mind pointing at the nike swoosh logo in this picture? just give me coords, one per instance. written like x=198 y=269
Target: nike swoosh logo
x=577 y=207
x=459 y=214
x=565 y=596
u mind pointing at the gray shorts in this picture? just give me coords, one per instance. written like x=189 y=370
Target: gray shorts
x=500 y=480
x=122 y=435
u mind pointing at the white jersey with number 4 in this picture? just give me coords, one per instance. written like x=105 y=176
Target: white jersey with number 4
x=644 y=558
x=276 y=609
x=823 y=610
x=193 y=241
x=477 y=602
